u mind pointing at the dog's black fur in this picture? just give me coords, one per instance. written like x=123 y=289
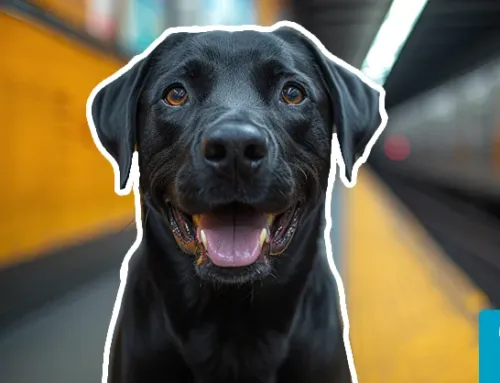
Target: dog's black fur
x=182 y=322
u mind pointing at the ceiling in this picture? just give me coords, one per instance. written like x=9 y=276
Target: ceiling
x=450 y=37
x=346 y=27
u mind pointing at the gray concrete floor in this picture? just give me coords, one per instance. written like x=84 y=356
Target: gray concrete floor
x=64 y=341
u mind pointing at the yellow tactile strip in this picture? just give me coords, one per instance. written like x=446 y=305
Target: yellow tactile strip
x=412 y=312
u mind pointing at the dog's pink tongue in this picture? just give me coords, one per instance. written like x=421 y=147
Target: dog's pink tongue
x=232 y=240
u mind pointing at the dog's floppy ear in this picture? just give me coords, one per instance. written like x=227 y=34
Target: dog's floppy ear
x=114 y=106
x=358 y=108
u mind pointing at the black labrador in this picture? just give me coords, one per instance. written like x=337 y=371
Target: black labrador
x=231 y=283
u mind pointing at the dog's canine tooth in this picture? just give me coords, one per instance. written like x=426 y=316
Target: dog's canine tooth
x=204 y=239
x=270 y=219
x=263 y=236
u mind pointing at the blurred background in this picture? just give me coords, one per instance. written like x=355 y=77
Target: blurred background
x=417 y=240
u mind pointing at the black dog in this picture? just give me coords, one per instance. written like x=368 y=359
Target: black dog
x=231 y=282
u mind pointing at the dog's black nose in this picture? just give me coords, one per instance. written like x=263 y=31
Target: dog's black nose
x=235 y=148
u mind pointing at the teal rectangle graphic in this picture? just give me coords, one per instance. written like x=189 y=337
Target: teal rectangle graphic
x=489 y=346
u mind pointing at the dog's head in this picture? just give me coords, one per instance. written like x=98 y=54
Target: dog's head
x=234 y=131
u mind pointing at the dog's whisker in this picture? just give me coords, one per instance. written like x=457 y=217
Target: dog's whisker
x=273 y=275
x=299 y=168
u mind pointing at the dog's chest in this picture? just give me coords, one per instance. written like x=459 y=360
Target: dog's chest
x=236 y=352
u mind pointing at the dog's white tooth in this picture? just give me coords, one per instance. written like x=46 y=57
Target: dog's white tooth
x=270 y=219
x=204 y=239
x=263 y=236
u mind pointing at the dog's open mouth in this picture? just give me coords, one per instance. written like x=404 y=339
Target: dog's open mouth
x=233 y=236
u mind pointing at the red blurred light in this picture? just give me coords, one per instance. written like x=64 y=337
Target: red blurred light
x=397 y=148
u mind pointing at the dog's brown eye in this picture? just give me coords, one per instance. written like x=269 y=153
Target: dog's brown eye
x=176 y=96
x=292 y=94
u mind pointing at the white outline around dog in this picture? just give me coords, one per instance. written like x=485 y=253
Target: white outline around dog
x=336 y=158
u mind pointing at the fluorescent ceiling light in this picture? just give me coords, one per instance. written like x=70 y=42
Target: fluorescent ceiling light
x=391 y=37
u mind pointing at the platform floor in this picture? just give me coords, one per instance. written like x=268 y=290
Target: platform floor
x=64 y=341
x=412 y=313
